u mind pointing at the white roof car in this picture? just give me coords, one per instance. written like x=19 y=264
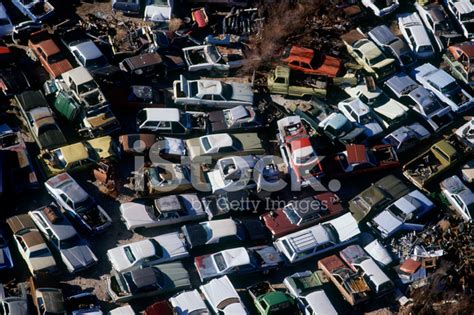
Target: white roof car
x=444 y=86
x=466 y=133
x=318 y=239
x=406 y=137
x=423 y=101
x=87 y=54
x=189 y=302
x=387 y=108
x=222 y=297
x=381 y=8
x=123 y=310
x=162 y=211
x=209 y=58
x=6 y=26
x=158 y=11
x=459 y=196
x=152 y=251
x=463 y=12
x=361 y=114
x=401 y=214
x=415 y=34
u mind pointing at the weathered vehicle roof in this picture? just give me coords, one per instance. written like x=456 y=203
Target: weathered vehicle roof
x=356 y=153
x=333 y=263
x=68 y=186
x=383 y=34
x=31 y=99
x=88 y=49
x=20 y=222
x=32 y=238
x=447 y=148
x=467 y=48
x=412 y=21
x=303 y=54
x=301 y=283
x=176 y=275
x=143 y=60
x=53 y=300
x=61 y=224
x=351 y=37
x=78 y=75
x=401 y=84
x=188 y=302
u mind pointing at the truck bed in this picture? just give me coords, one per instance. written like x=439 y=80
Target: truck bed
x=259 y=289
x=353 y=36
x=299 y=79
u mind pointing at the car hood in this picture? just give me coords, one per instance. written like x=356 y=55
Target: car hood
x=235 y=308
x=392 y=109
x=387 y=222
x=134 y=214
x=373 y=129
x=79 y=256
x=42 y=263
x=378 y=252
x=242 y=92
x=205 y=267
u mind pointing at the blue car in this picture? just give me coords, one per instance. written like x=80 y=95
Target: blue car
x=126 y=6
x=6 y=261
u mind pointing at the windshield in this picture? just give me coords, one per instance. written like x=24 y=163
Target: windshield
x=220 y=261
x=4 y=22
x=58 y=159
x=377 y=59
x=96 y=63
x=302 y=159
x=450 y=88
x=85 y=204
x=432 y=106
x=129 y=253
x=466 y=17
x=290 y=213
x=87 y=87
x=397 y=212
x=425 y=49
x=214 y=54
x=56 y=58
x=141 y=117
x=40 y=253
x=206 y=144
x=70 y=242
x=366 y=119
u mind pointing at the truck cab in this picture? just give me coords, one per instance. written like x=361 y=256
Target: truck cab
x=268 y=301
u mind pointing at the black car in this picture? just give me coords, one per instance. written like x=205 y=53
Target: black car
x=12 y=81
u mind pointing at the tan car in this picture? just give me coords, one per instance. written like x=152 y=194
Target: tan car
x=31 y=244
x=48 y=53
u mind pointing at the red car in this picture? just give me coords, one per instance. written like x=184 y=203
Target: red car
x=359 y=159
x=310 y=62
x=299 y=214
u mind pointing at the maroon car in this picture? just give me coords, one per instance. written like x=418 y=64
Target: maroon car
x=299 y=214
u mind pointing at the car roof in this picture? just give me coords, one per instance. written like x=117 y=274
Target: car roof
x=436 y=13
x=53 y=300
x=356 y=154
x=209 y=87
x=235 y=257
x=62 y=227
x=439 y=76
x=401 y=83
x=74 y=152
x=163 y=114
x=88 y=49
x=418 y=31
x=20 y=222
x=383 y=34
x=32 y=238
x=78 y=75
x=303 y=54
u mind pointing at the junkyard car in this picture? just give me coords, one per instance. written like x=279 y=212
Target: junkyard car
x=235 y=119
x=147 y=282
x=361 y=114
x=39 y=119
x=163 y=211
x=12 y=81
x=459 y=196
x=87 y=54
x=189 y=302
x=211 y=93
x=48 y=300
x=6 y=26
x=6 y=262
x=222 y=144
x=166 y=147
x=225 y=231
x=377 y=196
x=444 y=87
x=402 y=214
x=147 y=66
x=423 y=101
x=388 y=110
x=438 y=24
x=126 y=6
x=56 y=228
x=77 y=203
x=78 y=156
x=463 y=13
x=465 y=133
x=222 y=297
x=392 y=45
x=170 y=121
x=31 y=244
x=48 y=53
x=407 y=137
x=211 y=59
x=311 y=62
x=338 y=128
x=237 y=261
x=36 y=10
x=83 y=303
x=318 y=239
x=368 y=55
x=158 y=11
x=144 y=253
x=13 y=304
x=381 y=8
x=299 y=214
x=460 y=60
x=415 y=34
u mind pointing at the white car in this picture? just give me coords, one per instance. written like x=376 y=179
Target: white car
x=459 y=196
x=162 y=211
x=415 y=34
x=77 y=203
x=422 y=101
x=406 y=137
x=361 y=114
x=381 y=7
x=388 y=109
x=158 y=11
x=466 y=133
x=318 y=239
x=444 y=86
x=6 y=26
x=222 y=297
x=401 y=214
x=210 y=58
x=36 y=10
x=148 y=252
x=189 y=302
x=463 y=13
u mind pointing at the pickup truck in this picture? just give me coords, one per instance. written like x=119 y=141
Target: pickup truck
x=439 y=158
x=459 y=59
x=368 y=55
x=283 y=81
x=78 y=99
x=269 y=301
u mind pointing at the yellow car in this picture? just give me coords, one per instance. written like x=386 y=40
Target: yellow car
x=78 y=155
